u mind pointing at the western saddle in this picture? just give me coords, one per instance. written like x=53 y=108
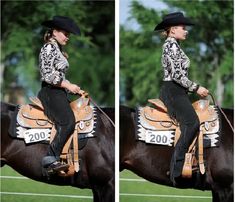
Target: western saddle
x=34 y=125
x=155 y=122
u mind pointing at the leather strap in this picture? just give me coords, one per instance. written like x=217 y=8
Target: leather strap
x=75 y=151
x=177 y=135
x=65 y=150
x=192 y=146
x=53 y=132
x=200 y=153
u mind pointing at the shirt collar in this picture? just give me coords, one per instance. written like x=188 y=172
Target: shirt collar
x=172 y=39
x=52 y=40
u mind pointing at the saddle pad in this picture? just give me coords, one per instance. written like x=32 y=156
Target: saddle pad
x=152 y=128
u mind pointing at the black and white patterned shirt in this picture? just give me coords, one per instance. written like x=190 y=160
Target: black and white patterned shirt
x=52 y=63
x=176 y=64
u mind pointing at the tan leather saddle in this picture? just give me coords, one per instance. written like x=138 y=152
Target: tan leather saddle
x=34 y=126
x=156 y=127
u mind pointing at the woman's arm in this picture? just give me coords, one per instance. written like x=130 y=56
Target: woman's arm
x=73 y=88
x=178 y=69
x=179 y=72
x=52 y=69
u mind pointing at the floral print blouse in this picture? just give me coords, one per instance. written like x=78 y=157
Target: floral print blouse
x=176 y=64
x=52 y=63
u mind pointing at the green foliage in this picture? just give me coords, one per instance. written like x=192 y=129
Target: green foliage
x=91 y=55
x=209 y=47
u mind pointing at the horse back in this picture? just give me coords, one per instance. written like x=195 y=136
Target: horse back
x=7 y=107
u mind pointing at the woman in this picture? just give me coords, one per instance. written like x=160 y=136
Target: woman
x=176 y=85
x=53 y=65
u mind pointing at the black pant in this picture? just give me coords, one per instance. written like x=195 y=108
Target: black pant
x=180 y=108
x=58 y=110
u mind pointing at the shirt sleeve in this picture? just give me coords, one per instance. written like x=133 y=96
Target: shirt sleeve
x=50 y=69
x=179 y=69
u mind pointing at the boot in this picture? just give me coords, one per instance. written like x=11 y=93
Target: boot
x=53 y=165
x=181 y=148
x=176 y=167
x=52 y=160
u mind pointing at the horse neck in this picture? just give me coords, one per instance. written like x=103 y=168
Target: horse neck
x=230 y=115
x=227 y=123
x=110 y=112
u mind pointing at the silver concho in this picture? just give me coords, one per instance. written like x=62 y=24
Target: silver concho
x=81 y=125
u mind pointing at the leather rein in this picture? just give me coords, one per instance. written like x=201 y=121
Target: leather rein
x=212 y=97
x=222 y=112
x=94 y=103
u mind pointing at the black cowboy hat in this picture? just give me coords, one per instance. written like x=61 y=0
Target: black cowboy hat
x=173 y=19
x=64 y=23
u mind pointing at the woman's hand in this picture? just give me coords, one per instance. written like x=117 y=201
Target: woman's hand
x=73 y=88
x=203 y=92
x=83 y=93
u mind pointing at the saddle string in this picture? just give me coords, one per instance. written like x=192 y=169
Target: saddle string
x=226 y=118
x=102 y=111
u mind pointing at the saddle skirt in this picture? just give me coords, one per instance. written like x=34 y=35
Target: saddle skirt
x=34 y=126
x=154 y=125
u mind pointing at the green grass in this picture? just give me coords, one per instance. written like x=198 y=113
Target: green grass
x=126 y=187
x=136 y=187
x=31 y=186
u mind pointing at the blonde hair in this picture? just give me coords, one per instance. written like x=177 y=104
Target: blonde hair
x=166 y=32
x=48 y=35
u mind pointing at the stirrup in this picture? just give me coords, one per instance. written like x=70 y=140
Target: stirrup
x=57 y=166
x=187 y=168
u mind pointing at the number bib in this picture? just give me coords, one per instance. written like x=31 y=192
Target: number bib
x=159 y=137
x=36 y=135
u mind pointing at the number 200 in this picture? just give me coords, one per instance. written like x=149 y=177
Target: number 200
x=36 y=136
x=158 y=138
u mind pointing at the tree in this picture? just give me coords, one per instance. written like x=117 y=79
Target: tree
x=91 y=55
x=209 y=46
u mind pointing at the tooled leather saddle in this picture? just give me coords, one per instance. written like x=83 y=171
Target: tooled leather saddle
x=34 y=126
x=154 y=126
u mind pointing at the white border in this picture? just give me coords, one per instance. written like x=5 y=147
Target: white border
x=117 y=101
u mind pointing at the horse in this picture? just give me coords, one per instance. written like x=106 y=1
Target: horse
x=152 y=162
x=97 y=157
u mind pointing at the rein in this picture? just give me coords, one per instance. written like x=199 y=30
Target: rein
x=225 y=116
x=102 y=111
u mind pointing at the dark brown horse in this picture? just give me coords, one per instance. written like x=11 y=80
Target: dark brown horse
x=97 y=157
x=152 y=162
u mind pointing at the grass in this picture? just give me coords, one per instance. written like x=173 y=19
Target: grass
x=151 y=192
x=30 y=186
